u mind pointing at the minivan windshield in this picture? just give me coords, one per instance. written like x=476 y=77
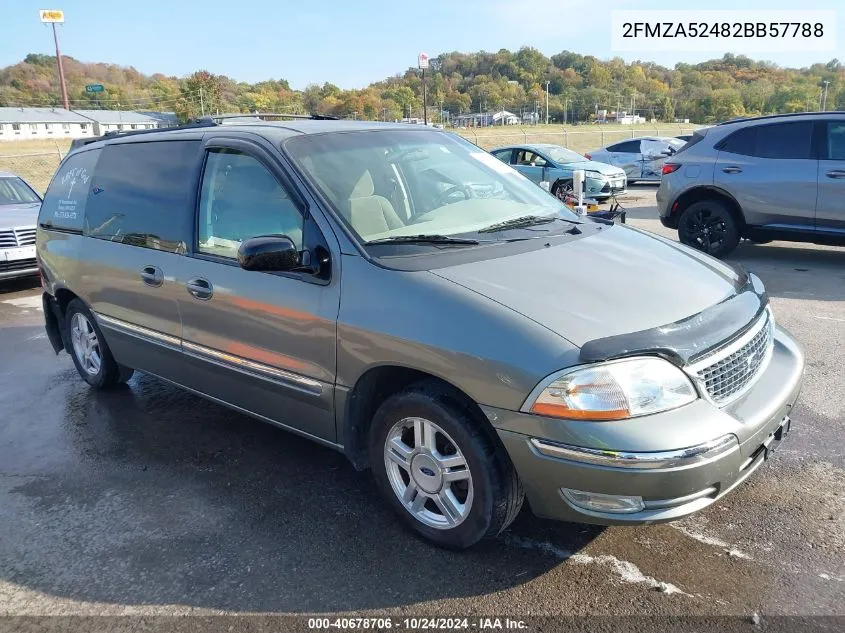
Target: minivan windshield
x=409 y=184
x=16 y=191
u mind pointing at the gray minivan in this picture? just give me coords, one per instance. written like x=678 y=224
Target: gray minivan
x=400 y=295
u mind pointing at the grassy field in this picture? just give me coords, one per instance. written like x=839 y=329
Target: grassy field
x=35 y=161
x=580 y=138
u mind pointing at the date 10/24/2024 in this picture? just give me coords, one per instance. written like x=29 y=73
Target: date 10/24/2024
x=417 y=624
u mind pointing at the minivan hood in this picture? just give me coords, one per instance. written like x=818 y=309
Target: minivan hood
x=617 y=281
x=19 y=215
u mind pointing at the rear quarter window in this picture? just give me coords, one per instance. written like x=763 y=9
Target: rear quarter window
x=141 y=195
x=696 y=138
x=64 y=203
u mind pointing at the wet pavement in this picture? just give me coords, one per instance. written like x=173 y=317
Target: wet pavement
x=151 y=500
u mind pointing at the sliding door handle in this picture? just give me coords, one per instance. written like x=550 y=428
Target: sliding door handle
x=200 y=288
x=152 y=276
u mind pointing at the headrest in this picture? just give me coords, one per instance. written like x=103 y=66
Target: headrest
x=364 y=188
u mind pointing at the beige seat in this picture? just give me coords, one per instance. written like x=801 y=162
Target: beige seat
x=370 y=214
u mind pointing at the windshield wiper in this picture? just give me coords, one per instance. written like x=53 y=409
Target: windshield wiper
x=424 y=239
x=515 y=223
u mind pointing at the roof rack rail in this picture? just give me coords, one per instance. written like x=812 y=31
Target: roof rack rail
x=778 y=116
x=260 y=115
x=81 y=142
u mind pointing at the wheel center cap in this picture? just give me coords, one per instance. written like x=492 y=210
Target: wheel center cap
x=426 y=473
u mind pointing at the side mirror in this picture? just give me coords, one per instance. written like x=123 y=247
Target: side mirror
x=268 y=253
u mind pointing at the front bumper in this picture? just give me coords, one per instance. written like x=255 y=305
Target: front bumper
x=601 y=188
x=15 y=268
x=677 y=462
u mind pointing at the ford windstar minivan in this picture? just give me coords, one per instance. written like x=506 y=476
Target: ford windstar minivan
x=400 y=295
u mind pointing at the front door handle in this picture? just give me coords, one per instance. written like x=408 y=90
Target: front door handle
x=836 y=173
x=200 y=288
x=732 y=170
x=152 y=276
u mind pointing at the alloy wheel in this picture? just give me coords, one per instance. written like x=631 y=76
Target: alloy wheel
x=564 y=190
x=428 y=473
x=706 y=230
x=86 y=345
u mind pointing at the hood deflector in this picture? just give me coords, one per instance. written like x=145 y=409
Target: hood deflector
x=684 y=341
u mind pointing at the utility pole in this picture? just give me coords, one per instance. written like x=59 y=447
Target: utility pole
x=547 y=101
x=425 y=100
x=202 y=104
x=53 y=17
x=824 y=98
x=61 y=69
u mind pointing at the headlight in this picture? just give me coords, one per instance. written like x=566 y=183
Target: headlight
x=614 y=391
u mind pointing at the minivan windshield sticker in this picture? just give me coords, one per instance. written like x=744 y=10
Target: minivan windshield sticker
x=66 y=208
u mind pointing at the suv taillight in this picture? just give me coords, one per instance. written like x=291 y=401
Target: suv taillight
x=669 y=168
x=588 y=157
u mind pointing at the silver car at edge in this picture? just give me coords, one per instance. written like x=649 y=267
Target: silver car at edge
x=398 y=294
x=19 y=204
x=766 y=178
x=642 y=158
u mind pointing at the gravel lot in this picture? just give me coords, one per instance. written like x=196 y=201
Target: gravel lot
x=150 y=500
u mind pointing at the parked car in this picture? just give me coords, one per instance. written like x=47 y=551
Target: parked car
x=554 y=164
x=641 y=158
x=19 y=204
x=764 y=178
x=343 y=281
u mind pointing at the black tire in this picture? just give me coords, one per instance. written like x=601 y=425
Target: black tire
x=497 y=492
x=709 y=226
x=561 y=188
x=109 y=373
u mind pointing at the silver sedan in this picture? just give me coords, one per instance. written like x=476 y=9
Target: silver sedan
x=641 y=158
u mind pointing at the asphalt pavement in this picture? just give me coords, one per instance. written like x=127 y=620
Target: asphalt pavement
x=151 y=500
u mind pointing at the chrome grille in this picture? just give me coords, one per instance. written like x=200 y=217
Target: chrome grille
x=26 y=237
x=8 y=239
x=729 y=372
x=12 y=238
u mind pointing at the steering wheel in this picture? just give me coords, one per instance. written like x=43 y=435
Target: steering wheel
x=443 y=200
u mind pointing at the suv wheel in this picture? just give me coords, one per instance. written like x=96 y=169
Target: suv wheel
x=89 y=350
x=708 y=226
x=441 y=470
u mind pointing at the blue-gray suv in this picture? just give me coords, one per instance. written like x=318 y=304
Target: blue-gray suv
x=765 y=178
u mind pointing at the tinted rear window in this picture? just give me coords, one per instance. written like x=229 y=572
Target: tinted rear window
x=776 y=141
x=65 y=200
x=141 y=192
x=628 y=147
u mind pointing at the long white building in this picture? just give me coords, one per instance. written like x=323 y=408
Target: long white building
x=17 y=124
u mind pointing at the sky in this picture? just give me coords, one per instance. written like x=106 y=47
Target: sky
x=348 y=43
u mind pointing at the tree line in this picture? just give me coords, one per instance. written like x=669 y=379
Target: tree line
x=579 y=86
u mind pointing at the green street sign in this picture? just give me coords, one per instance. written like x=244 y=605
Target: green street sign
x=94 y=88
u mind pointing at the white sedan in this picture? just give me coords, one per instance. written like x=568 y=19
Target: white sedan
x=641 y=158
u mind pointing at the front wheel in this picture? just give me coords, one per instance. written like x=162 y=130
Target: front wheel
x=441 y=470
x=89 y=350
x=710 y=227
x=562 y=189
